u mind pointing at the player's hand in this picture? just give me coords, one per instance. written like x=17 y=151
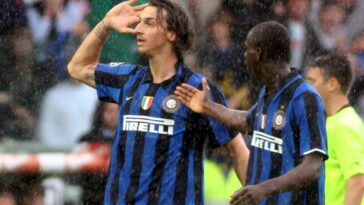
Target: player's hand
x=124 y=15
x=248 y=195
x=192 y=97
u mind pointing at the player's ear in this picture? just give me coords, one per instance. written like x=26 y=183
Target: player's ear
x=332 y=84
x=171 y=36
x=259 y=55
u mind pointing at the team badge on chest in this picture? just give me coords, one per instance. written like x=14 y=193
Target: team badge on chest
x=279 y=120
x=147 y=102
x=171 y=104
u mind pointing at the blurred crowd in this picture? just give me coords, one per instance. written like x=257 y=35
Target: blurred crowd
x=39 y=102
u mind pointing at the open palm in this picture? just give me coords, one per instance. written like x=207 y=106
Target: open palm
x=123 y=15
x=194 y=98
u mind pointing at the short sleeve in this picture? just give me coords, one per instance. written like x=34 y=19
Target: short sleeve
x=310 y=118
x=110 y=79
x=349 y=154
x=219 y=133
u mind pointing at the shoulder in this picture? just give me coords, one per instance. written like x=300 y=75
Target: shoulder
x=347 y=117
x=306 y=91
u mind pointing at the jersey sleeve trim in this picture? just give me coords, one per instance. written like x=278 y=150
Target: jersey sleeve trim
x=316 y=150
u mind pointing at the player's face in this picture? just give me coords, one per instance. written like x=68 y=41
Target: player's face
x=152 y=36
x=251 y=57
x=317 y=80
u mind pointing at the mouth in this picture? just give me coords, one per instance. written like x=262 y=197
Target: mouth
x=140 y=41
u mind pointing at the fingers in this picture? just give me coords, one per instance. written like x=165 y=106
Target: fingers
x=205 y=86
x=185 y=99
x=140 y=7
x=129 y=30
x=189 y=88
x=185 y=92
x=236 y=193
x=182 y=99
x=238 y=197
x=132 y=2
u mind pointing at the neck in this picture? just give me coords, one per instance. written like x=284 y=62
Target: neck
x=274 y=74
x=334 y=103
x=162 y=66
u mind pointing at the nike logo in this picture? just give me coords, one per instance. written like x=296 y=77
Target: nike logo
x=128 y=98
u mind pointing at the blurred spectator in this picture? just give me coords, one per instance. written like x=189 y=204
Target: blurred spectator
x=104 y=124
x=66 y=113
x=103 y=131
x=54 y=25
x=354 y=17
x=354 y=21
x=225 y=61
x=33 y=195
x=16 y=122
x=247 y=14
x=357 y=49
x=330 y=26
x=356 y=54
x=304 y=42
x=199 y=12
x=280 y=10
x=12 y=21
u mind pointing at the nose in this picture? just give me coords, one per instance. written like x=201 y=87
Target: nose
x=138 y=29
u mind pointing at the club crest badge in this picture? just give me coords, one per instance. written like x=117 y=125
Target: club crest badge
x=147 y=102
x=171 y=104
x=279 y=120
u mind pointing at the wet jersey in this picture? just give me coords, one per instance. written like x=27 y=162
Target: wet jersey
x=157 y=152
x=287 y=124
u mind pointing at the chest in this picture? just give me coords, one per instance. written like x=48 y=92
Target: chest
x=153 y=109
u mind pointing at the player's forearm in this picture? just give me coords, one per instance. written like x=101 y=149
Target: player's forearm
x=87 y=55
x=304 y=174
x=239 y=154
x=355 y=190
x=230 y=117
x=240 y=163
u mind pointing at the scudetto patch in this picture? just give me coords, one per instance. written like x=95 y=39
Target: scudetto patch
x=279 y=120
x=171 y=104
x=147 y=102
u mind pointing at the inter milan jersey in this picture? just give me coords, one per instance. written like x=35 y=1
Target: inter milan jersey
x=288 y=124
x=157 y=152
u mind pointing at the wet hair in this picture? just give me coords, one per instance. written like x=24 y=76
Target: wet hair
x=273 y=39
x=177 y=21
x=335 y=65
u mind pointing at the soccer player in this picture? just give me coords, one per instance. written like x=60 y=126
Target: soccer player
x=157 y=152
x=332 y=76
x=287 y=124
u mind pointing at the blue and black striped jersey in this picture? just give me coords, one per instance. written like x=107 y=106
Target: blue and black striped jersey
x=287 y=124
x=157 y=151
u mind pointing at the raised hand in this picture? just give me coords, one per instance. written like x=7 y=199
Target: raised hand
x=124 y=15
x=194 y=98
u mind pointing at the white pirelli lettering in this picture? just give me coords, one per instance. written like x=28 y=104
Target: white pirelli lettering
x=267 y=142
x=148 y=124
